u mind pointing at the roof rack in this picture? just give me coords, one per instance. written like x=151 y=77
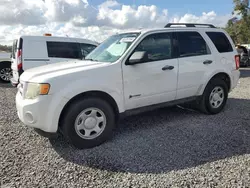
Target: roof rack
x=190 y=25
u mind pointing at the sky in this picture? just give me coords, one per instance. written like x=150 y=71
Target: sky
x=98 y=19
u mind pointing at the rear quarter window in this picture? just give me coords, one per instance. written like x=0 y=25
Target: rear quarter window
x=220 y=41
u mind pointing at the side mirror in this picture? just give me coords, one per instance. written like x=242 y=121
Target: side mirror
x=137 y=57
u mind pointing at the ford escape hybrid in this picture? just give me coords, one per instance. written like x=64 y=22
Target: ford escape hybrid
x=127 y=73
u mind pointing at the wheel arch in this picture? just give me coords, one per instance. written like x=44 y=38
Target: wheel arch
x=4 y=62
x=95 y=93
x=222 y=75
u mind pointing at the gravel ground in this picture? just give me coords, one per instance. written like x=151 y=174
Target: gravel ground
x=170 y=147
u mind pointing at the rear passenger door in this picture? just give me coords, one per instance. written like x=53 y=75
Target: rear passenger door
x=195 y=60
x=63 y=51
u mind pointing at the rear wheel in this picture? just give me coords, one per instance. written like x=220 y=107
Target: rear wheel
x=214 y=97
x=88 y=122
x=5 y=72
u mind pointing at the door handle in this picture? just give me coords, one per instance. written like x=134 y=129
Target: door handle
x=207 y=62
x=168 y=67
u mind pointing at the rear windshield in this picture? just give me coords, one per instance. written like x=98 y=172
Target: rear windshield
x=220 y=41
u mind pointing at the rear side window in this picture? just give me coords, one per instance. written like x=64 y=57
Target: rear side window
x=64 y=50
x=191 y=44
x=86 y=48
x=220 y=41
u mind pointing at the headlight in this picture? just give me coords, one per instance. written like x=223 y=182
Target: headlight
x=34 y=90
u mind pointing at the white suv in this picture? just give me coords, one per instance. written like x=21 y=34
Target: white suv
x=129 y=72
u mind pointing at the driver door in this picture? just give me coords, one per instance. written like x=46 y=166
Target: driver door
x=154 y=79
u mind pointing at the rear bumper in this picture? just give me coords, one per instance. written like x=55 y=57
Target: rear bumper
x=14 y=82
x=235 y=78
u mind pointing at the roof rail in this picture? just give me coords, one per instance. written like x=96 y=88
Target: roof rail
x=190 y=25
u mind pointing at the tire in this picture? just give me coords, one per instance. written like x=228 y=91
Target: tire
x=5 y=72
x=79 y=114
x=204 y=103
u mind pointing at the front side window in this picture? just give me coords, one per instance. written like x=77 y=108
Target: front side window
x=86 y=48
x=191 y=44
x=69 y=50
x=113 y=48
x=156 y=46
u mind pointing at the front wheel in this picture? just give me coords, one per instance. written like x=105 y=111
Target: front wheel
x=88 y=122
x=214 y=97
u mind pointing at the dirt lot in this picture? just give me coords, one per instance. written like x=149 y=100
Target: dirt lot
x=170 y=147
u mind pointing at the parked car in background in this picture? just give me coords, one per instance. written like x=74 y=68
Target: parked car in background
x=244 y=55
x=129 y=73
x=34 y=51
x=5 y=67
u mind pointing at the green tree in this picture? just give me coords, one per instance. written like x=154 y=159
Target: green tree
x=240 y=30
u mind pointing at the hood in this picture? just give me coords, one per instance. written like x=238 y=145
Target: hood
x=58 y=69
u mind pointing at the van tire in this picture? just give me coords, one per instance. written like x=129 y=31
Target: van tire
x=5 y=66
x=75 y=116
x=205 y=103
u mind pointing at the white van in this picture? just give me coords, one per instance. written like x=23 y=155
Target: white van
x=34 y=51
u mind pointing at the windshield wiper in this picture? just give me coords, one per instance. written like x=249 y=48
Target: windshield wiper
x=91 y=59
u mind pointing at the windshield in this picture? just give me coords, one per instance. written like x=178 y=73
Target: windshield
x=113 y=48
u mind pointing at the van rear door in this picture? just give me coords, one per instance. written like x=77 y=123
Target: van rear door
x=14 y=54
x=16 y=60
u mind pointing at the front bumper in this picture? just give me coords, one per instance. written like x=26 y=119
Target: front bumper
x=34 y=113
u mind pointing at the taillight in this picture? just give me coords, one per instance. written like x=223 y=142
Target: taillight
x=237 y=61
x=19 y=60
